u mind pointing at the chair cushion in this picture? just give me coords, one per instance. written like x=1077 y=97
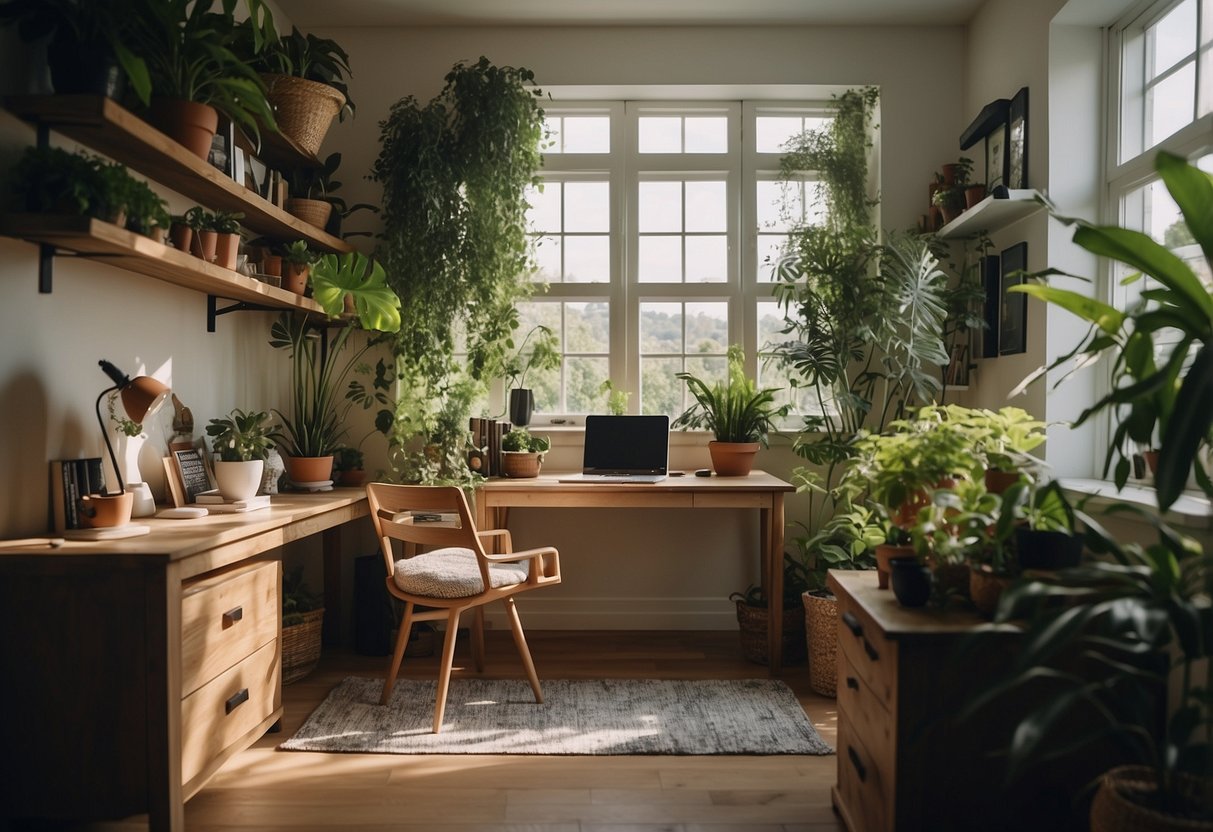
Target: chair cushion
x=452 y=573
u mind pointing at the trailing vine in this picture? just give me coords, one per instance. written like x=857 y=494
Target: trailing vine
x=454 y=172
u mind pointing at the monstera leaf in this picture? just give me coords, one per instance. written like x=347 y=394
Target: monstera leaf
x=336 y=275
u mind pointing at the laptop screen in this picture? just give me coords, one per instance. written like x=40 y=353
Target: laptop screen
x=627 y=444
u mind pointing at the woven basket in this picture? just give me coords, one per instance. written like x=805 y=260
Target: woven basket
x=1115 y=810
x=312 y=211
x=520 y=464
x=301 y=646
x=303 y=109
x=821 y=633
x=752 y=622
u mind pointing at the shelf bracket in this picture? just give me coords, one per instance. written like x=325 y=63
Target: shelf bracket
x=213 y=311
x=46 y=251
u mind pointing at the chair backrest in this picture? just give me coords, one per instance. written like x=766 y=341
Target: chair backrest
x=429 y=516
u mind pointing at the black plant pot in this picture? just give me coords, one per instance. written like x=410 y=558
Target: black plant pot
x=911 y=582
x=84 y=69
x=1047 y=550
x=522 y=403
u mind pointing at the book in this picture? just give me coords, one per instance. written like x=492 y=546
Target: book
x=61 y=473
x=220 y=505
x=107 y=533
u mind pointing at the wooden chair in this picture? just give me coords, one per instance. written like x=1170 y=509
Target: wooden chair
x=445 y=568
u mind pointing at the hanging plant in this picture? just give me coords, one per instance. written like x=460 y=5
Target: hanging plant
x=455 y=248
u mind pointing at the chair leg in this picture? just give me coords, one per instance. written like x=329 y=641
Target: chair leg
x=402 y=640
x=478 y=640
x=523 y=651
x=444 y=672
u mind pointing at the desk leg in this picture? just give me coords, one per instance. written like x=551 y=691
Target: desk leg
x=772 y=534
x=331 y=546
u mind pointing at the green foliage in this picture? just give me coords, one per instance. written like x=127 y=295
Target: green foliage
x=197 y=218
x=298 y=55
x=298 y=253
x=334 y=276
x=455 y=248
x=225 y=222
x=145 y=209
x=241 y=436
x=847 y=540
x=616 y=399
x=1002 y=440
x=1169 y=400
x=544 y=354
x=735 y=410
x=50 y=179
x=520 y=439
x=127 y=427
x=187 y=49
x=348 y=459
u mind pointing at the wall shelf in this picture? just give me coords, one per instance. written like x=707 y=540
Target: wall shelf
x=107 y=243
x=106 y=127
x=992 y=214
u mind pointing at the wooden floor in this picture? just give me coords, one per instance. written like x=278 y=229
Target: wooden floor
x=264 y=789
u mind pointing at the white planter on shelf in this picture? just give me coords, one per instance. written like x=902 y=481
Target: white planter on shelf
x=238 y=480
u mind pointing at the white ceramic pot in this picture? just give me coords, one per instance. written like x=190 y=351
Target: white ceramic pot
x=238 y=480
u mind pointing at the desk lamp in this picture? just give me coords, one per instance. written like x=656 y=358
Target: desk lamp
x=141 y=397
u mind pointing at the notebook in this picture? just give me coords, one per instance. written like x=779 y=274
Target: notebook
x=625 y=449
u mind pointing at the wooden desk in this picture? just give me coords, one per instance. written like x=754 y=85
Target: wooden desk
x=759 y=491
x=133 y=669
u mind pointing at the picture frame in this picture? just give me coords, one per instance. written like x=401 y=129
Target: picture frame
x=223 y=149
x=188 y=471
x=1017 y=141
x=991 y=282
x=996 y=157
x=1013 y=309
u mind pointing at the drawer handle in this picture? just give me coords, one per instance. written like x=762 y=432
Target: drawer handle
x=853 y=624
x=852 y=683
x=232 y=616
x=240 y=697
x=870 y=650
x=859 y=766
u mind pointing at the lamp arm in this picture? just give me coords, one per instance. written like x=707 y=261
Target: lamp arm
x=105 y=434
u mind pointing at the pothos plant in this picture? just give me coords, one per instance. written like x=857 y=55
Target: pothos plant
x=454 y=172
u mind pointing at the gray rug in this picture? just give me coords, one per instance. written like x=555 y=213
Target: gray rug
x=612 y=716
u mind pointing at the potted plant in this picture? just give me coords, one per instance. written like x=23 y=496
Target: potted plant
x=90 y=48
x=297 y=261
x=204 y=239
x=753 y=616
x=737 y=413
x=616 y=399
x=312 y=196
x=1139 y=612
x=348 y=462
x=950 y=193
x=302 y=620
x=353 y=282
x=242 y=440
x=146 y=212
x=51 y=179
x=195 y=76
x=522 y=453
x=226 y=225
x=543 y=354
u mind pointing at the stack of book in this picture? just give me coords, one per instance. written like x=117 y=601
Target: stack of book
x=486 y=444
x=215 y=504
x=70 y=480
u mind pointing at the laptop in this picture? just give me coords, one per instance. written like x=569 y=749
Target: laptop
x=625 y=449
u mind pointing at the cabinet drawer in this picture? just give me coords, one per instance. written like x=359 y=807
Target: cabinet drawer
x=228 y=707
x=865 y=648
x=869 y=721
x=864 y=788
x=224 y=618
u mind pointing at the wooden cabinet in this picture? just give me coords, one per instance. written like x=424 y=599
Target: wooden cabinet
x=905 y=761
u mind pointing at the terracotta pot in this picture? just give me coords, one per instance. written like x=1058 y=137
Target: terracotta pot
x=732 y=459
x=104 y=512
x=309 y=469
x=1151 y=458
x=952 y=579
x=949 y=174
x=204 y=244
x=986 y=588
x=974 y=195
x=934 y=218
x=355 y=477
x=997 y=482
x=1115 y=809
x=271 y=264
x=181 y=236
x=948 y=212
x=294 y=278
x=886 y=553
x=190 y=124
x=226 y=247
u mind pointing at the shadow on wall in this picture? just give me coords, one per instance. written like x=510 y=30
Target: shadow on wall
x=23 y=468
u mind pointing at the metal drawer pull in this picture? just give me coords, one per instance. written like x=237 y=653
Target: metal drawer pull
x=852 y=683
x=232 y=616
x=853 y=624
x=870 y=650
x=240 y=697
x=859 y=766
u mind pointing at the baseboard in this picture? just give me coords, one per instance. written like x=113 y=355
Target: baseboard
x=619 y=614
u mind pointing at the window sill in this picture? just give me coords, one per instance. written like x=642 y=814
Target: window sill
x=1190 y=511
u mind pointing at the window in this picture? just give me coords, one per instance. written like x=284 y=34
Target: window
x=656 y=229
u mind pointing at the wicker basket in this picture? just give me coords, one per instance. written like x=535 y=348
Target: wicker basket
x=1116 y=810
x=315 y=212
x=301 y=646
x=821 y=633
x=520 y=464
x=752 y=622
x=303 y=109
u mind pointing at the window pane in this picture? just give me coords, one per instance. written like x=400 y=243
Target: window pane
x=587 y=259
x=587 y=134
x=660 y=206
x=587 y=327
x=583 y=377
x=660 y=328
x=1173 y=38
x=660 y=260
x=1169 y=104
x=710 y=369
x=706 y=208
x=1205 y=104
x=772 y=132
x=769 y=250
x=660 y=134
x=547 y=260
x=779 y=204
x=660 y=391
x=543 y=213
x=707 y=134
x=707 y=259
x=707 y=328
x=587 y=206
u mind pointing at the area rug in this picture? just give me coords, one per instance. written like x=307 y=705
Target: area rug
x=611 y=716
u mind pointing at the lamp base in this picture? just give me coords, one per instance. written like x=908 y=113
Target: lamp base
x=101 y=512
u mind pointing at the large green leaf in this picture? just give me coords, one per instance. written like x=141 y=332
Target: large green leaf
x=336 y=275
x=1192 y=190
x=1106 y=317
x=1189 y=426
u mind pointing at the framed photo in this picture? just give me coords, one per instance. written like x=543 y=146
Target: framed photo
x=188 y=469
x=991 y=282
x=996 y=157
x=1017 y=141
x=1013 y=314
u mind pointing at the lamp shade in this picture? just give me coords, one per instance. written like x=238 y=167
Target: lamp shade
x=143 y=397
